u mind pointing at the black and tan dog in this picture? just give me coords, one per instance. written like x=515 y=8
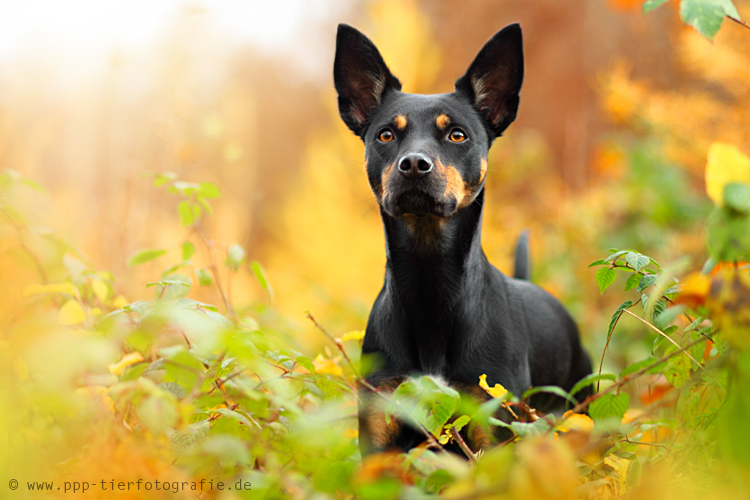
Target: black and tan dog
x=444 y=310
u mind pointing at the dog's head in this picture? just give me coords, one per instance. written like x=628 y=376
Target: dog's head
x=427 y=154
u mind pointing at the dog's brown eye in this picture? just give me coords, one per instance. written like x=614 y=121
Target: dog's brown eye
x=386 y=136
x=457 y=135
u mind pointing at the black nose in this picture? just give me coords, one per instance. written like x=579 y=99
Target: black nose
x=415 y=166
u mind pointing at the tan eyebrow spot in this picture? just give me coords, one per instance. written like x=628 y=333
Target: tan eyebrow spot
x=442 y=121
x=483 y=170
x=400 y=122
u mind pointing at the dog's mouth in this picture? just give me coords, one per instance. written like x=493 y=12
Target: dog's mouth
x=419 y=203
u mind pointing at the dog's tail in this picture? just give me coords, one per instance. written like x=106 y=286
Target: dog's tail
x=522 y=269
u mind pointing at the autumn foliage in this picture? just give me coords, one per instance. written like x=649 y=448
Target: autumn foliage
x=195 y=361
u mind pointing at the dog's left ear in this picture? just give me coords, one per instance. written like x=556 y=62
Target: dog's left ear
x=493 y=81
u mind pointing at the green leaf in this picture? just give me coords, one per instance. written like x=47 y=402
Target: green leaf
x=171 y=387
x=609 y=406
x=186 y=213
x=677 y=371
x=729 y=9
x=615 y=255
x=32 y=184
x=461 y=422
x=737 y=196
x=650 y=5
x=549 y=389
x=535 y=428
x=590 y=379
x=636 y=260
x=706 y=15
x=598 y=263
x=728 y=234
x=306 y=363
x=163 y=178
x=142 y=256
x=205 y=204
x=640 y=365
x=659 y=307
x=605 y=277
x=188 y=250
x=618 y=312
x=486 y=410
x=197 y=211
x=426 y=402
x=633 y=281
x=235 y=257
x=185 y=188
x=204 y=277
x=158 y=414
x=262 y=277
x=665 y=318
x=209 y=190
x=709 y=265
x=633 y=476
x=646 y=281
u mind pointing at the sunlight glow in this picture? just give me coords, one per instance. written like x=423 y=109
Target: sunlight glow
x=88 y=27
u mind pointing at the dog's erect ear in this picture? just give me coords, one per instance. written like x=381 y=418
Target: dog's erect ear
x=493 y=80
x=361 y=77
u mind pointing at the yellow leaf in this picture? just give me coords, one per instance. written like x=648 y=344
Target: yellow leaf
x=119 y=302
x=35 y=289
x=695 y=289
x=620 y=465
x=92 y=390
x=325 y=365
x=576 y=422
x=71 y=313
x=127 y=360
x=109 y=403
x=726 y=164
x=350 y=434
x=498 y=391
x=100 y=290
x=353 y=335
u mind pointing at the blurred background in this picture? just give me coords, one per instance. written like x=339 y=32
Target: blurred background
x=608 y=149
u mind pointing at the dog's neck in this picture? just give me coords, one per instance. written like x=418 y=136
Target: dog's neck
x=429 y=263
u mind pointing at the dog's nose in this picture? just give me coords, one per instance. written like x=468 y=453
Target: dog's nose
x=415 y=166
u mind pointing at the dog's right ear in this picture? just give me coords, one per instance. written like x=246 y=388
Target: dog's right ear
x=361 y=77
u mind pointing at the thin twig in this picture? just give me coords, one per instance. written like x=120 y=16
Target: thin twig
x=626 y=440
x=665 y=336
x=215 y=270
x=627 y=378
x=339 y=345
x=462 y=444
x=609 y=337
x=740 y=22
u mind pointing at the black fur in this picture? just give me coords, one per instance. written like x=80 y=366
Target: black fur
x=444 y=309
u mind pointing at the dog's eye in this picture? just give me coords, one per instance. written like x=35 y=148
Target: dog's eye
x=457 y=135
x=386 y=135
